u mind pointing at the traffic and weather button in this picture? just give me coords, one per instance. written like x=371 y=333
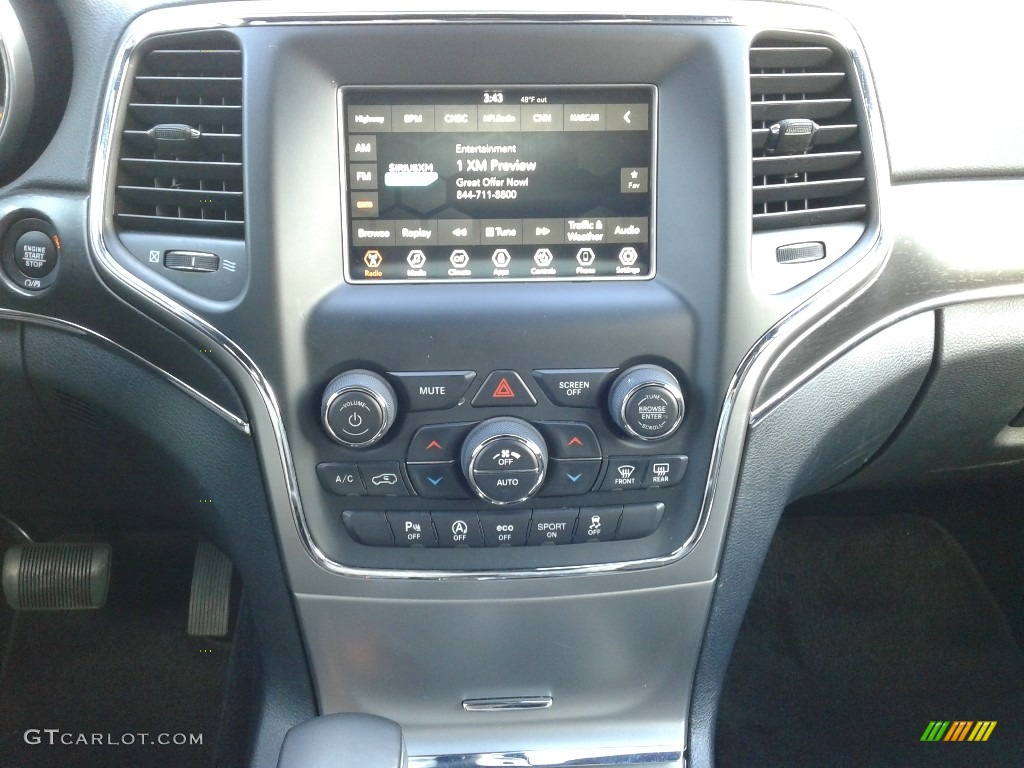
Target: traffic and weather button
x=503 y=388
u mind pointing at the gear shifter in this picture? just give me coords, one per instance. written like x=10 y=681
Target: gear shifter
x=344 y=741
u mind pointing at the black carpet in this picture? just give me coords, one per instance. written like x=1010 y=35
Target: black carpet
x=861 y=631
x=108 y=676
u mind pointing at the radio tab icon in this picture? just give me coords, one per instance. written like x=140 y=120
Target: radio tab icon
x=373 y=259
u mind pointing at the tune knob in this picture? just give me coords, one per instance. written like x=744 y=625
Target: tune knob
x=358 y=408
x=647 y=402
x=504 y=460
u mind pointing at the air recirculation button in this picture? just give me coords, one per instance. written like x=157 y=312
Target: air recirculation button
x=505 y=460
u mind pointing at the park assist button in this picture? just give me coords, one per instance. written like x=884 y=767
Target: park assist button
x=574 y=387
x=412 y=529
x=503 y=388
x=433 y=391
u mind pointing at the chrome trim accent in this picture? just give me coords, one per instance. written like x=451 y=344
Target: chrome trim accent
x=560 y=758
x=19 y=78
x=937 y=302
x=64 y=325
x=508 y=704
x=747 y=377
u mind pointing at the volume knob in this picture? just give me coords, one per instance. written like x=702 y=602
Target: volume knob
x=358 y=408
x=647 y=402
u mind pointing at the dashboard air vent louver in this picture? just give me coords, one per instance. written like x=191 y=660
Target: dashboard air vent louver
x=809 y=166
x=180 y=165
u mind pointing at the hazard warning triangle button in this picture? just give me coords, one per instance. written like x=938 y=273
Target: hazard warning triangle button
x=503 y=388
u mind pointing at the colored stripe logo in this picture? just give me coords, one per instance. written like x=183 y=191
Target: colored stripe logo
x=958 y=730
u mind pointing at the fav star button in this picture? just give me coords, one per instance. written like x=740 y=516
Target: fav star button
x=503 y=388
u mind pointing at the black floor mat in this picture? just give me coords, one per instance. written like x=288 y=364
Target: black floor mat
x=861 y=631
x=99 y=680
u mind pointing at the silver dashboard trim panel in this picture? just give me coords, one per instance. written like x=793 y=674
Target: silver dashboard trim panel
x=668 y=756
x=64 y=325
x=866 y=259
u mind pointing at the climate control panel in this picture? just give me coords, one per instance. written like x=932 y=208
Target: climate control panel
x=594 y=475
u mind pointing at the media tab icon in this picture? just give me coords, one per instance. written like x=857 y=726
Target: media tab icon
x=416 y=259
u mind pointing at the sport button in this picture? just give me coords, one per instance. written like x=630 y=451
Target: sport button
x=503 y=388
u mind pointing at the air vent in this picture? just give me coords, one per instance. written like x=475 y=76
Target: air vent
x=180 y=167
x=809 y=167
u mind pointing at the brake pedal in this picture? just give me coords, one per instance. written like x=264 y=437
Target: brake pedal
x=56 y=577
x=209 y=605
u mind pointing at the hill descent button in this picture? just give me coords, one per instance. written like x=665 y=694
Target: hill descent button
x=503 y=388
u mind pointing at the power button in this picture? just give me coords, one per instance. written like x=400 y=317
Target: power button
x=358 y=408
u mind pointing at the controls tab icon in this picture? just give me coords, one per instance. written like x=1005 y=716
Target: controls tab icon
x=543 y=257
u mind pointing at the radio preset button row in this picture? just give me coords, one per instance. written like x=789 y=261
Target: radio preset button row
x=568 y=525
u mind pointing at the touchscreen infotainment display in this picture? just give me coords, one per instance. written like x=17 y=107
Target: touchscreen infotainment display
x=498 y=183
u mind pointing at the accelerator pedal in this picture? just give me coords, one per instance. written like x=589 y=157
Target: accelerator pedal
x=209 y=605
x=56 y=577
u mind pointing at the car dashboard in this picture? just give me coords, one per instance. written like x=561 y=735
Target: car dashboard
x=495 y=342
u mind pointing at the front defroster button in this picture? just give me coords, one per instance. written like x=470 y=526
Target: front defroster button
x=624 y=473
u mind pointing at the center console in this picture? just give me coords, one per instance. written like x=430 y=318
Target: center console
x=487 y=319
